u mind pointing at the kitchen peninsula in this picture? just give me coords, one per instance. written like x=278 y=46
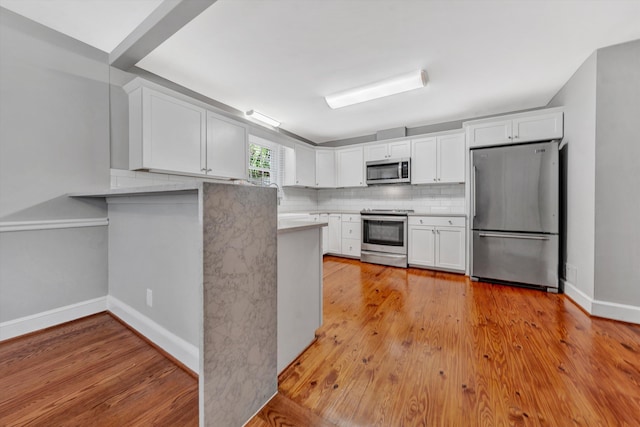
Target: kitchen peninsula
x=193 y=268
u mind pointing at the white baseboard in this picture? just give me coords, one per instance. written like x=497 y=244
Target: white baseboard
x=46 y=319
x=616 y=311
x=606 y=309
x=579 y=297
x=185 y=352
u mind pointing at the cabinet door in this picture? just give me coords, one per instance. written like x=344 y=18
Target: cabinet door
x=450 y=248
x=350 y=167
x=174 y=133
x=325 y=234
x=421 y=245
x=399 y=149
x=226 y=148
x=375 y=152
x=335 y=234
x=451 y=158
x=325 y=169
x=424 y=161
x=538 y=128
x=497 y=132
x=305 y=166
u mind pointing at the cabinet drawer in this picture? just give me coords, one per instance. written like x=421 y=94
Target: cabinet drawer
x=351 y=230
x=351 y=218
x=351 y=247
x=444 y=221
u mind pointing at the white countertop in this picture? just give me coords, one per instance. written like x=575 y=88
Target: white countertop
x=418 y=213
x=289 y=225
x=187 y=187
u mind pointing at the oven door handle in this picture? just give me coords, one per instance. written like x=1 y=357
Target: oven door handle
x=384 y=218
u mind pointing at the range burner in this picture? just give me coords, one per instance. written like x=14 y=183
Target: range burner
x=386 y=211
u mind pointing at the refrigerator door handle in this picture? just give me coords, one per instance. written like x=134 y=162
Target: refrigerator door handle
x=513 y=236
x=473 y=190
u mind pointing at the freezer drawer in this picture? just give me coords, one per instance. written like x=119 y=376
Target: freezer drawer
x=516 y=257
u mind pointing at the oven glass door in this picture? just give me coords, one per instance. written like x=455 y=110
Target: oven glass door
x=384 y=234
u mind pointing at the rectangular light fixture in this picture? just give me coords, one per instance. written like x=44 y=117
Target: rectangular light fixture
x=392 y=86
x=263 y=118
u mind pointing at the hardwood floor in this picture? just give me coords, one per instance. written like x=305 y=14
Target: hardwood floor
x=92 y=372
x=414 y=347
x=398 y=348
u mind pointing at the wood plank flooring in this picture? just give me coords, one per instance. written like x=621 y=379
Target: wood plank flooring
x=419 y=348
x=92 y=372
x=398 y=348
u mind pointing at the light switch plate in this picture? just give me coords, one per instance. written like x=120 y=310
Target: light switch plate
x=149 y=298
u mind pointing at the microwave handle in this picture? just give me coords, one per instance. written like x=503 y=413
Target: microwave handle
x=399 y=169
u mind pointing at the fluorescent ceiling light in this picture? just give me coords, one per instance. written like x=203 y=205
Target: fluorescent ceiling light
x=266 y=119
x=398 y=84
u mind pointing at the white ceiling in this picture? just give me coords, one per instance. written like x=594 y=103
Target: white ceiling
x=281 y=57
x=99 y=23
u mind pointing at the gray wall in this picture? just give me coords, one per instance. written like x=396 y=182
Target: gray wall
x=155 y=243
x=578 y=97
x=617 y=175
x=54 y=139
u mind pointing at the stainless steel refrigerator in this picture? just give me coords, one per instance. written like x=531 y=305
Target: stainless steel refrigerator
x=515 y=214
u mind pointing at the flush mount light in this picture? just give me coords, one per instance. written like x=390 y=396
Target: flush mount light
x=263 y=118
x=392 y=86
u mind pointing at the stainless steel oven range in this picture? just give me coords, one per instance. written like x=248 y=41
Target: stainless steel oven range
x=384 y=237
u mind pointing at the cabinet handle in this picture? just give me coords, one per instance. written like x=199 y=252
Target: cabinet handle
x=450 y=222
x=420 y=221
x=434 y=179
x=208 y=170
x=515 y=137
x=433 y=231
x=203 y=170
x=510 y=137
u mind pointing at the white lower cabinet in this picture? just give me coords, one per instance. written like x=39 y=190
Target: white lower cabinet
x=334 y=241
x=437 y=242
x=351 y=232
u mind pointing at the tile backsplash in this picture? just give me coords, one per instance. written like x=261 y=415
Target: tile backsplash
x=437 y=198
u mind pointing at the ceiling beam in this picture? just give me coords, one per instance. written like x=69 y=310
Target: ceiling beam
x=163 y=22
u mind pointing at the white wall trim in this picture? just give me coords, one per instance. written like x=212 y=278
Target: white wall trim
x=185 y=352
x=7 y=226
x=579 y=297
x=616 y=311
x=46 y=319
x=605 y=309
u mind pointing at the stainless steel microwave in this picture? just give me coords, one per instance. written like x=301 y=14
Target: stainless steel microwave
x=389 y=171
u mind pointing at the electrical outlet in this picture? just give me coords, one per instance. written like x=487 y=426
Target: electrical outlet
x=149 y=298
x=571 y=274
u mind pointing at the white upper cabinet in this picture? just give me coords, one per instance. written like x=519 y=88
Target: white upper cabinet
x=498 y=132
x=168 y=132
x=388 y=150
x=438 y=159
x=226 y=148
x=165 y=133
x=305 y=166
x=350 y=167
x=325 y=168
x=524 y=127
x=537 y=127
